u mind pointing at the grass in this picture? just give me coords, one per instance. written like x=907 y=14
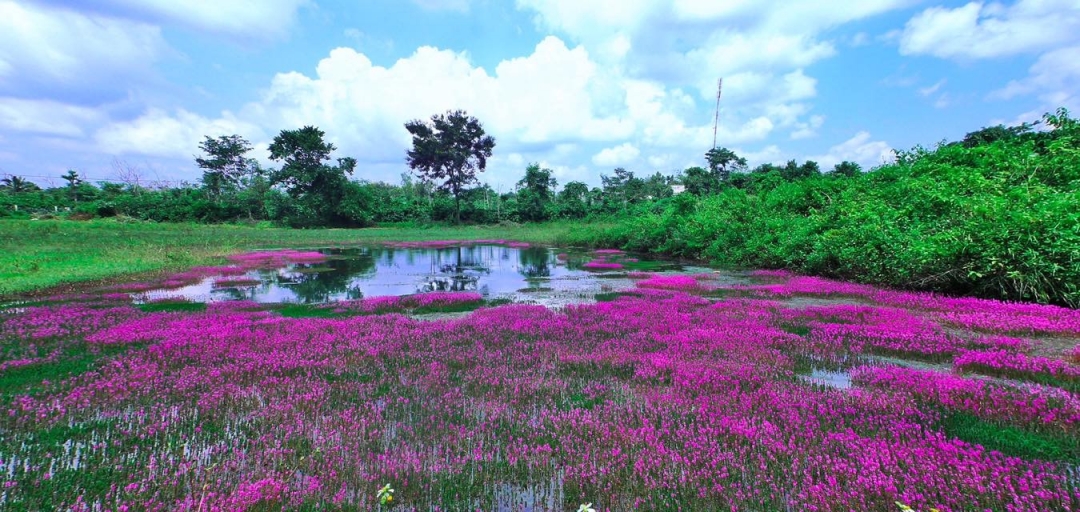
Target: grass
x=40 y=255
x=1011 y=439
x=187 y=307
x=75 y=360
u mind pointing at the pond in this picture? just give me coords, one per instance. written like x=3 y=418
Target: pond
x=267 y=384
x=540 y=275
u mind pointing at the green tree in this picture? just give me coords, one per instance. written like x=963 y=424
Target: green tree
x=224 y=164
x=658 y=186
x=306 y=177
x=73 y=179
x=722 y=162
x=573 y=200
x=17 y=185
x=535 y=193
x=451 y=148
x=846 y=168
x=699 y=181
x=793 y=171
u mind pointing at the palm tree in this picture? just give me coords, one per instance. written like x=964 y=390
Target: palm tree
x=16 y=185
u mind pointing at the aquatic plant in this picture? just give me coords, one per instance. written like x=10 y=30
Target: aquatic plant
x=658 y=400
x=1020 y=366
x=602 y=265
x=1021 y=404
x=676 y=282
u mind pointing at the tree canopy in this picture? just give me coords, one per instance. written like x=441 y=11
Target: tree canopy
x=317 y=186
x=224 y=163
x=449 y=149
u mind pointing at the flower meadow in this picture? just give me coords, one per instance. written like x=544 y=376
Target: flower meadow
x=668 y=397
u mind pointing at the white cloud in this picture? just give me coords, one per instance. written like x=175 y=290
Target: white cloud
x=979 y=30
x=541 y=102
x=157 y=133
x=251 y=20
x=1054 y=79
x=760 y=48
x=620 y=155
x=45 y=117
x=808 y=129
x=860 y=149
x=927 y=91
x=44 y=49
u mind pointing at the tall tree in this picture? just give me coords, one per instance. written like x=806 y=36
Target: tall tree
x=699 y=181
x=74 y=181
x=574 y=200
x=535 y=192
x=224 y=163
x=451 y=149
x=303 y=173
x=723 y=162
x=17 y=185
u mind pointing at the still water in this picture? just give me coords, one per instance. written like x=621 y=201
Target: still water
x=539 y=274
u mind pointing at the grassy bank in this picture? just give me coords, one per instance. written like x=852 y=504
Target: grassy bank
x=996 y=220
x=39 y=255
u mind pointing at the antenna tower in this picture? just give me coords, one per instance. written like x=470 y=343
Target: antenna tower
x=716 y=121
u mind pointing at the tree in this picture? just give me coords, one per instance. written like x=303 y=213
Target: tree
x=18 y=185
x=224 y=164
x=74 y=181
x=305 y=176
x=574 y=200
x=698 y=181
x=657 y=186
x=535 y=192
x=451 y=148
x=793 y=171
x=846 y=168
x=722 y=162
x=621 y=189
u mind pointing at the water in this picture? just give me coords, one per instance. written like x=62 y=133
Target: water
x=531 y=274
x=828 y=378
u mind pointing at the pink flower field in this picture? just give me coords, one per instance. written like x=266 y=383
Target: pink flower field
x=661 y=399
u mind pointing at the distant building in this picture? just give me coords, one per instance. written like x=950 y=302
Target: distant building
x=678 y=189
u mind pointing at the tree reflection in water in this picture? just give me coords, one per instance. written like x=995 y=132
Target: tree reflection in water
x=332 y=278
x=456 y=269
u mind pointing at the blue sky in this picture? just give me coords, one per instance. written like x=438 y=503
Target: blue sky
x=580 y=87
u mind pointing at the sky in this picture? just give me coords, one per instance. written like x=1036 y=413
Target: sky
x=113 y=87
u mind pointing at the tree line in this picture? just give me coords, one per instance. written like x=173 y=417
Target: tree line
x=311 y=188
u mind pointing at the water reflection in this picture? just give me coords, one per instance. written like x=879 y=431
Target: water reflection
x=354 y=273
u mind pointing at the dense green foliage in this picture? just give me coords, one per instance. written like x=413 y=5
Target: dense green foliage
x=995 y=216
x=449 y=150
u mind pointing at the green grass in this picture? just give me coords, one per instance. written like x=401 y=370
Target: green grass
x=46 y=254
x=184 y=307
x=75 y=359
x=1012 y=440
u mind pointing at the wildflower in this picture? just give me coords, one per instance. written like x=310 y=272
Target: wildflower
x=385 y=495
x=587 y=507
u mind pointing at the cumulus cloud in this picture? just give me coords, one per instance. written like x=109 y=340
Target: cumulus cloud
x=541 y=102
x=980 y=30
x=861 y=149
x=47 y=51
x=616 y=156
x=761 y=49
x=177 y=135
x=45 y=117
